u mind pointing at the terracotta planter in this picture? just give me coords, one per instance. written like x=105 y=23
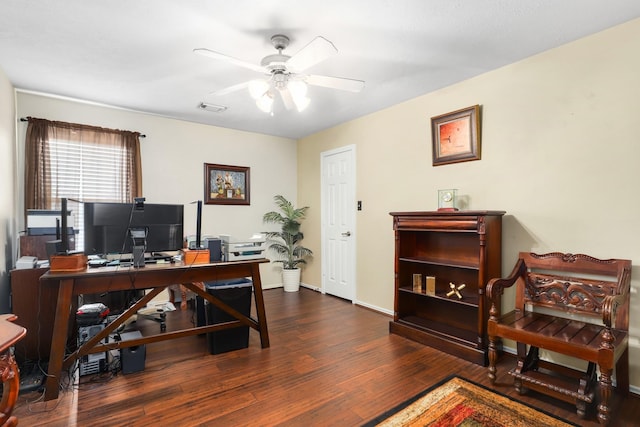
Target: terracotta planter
x=291 y=279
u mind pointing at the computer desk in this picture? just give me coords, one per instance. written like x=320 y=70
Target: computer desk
x=155 y=278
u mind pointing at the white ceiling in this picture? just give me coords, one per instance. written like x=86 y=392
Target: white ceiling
x=139 y=55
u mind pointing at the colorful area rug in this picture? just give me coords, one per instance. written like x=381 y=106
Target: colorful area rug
x=458 y=402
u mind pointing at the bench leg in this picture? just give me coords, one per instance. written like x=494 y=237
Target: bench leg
x=581 y=408
x=606 y=387
x=527 y=361
x=586 y=384
x=493 y=358
x=605 y=394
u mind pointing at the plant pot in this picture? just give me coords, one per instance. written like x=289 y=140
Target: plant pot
x=291 y=279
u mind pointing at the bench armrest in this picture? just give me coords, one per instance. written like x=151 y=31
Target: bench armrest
x=495 y=288
x=611 y=303
x=610 y=306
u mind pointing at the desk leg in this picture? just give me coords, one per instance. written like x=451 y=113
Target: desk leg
x=59 y=339
x=259 y=299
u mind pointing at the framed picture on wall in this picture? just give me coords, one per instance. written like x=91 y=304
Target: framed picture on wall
x=226 y=185
x=456 y=136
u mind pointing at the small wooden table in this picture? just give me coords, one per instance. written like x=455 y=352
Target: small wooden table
x=155 y=277
x=10 y=334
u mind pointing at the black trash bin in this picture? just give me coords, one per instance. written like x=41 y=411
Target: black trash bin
x=237 y=294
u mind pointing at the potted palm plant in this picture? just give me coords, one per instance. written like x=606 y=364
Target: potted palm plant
x=285 y=244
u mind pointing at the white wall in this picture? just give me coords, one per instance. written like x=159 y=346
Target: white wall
x=7 y=193
x=173 y=156
x=560 y=155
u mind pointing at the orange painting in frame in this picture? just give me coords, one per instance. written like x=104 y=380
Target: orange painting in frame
x=456 y=136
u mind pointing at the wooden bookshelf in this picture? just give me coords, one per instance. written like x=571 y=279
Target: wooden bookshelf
x=462 y=247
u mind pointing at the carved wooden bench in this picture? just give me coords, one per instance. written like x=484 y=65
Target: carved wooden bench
x=10 y=334
x=575 y=305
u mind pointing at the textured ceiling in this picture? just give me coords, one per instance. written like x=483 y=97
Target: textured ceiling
x=139 y=55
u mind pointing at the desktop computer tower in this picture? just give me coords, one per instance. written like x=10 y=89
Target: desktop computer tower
x=91 y=363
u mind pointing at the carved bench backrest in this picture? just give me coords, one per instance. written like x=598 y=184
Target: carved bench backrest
x=575 y=284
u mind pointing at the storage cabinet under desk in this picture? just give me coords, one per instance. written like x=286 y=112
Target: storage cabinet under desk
x=35 y=307
x=461 y=251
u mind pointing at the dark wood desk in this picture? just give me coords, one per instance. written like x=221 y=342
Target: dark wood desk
x=35 y=307
x=155 y=277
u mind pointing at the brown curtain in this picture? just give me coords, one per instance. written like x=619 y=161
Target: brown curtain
x=38 y=155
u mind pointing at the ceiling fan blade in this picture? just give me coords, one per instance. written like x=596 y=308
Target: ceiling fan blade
x=239 y=62
x=287 y=99
x=350 y=85
x=294 y=98
x=316 y=51
x=230 y=89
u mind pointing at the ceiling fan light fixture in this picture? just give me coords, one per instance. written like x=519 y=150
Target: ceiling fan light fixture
x=302 y=103
x=257 y=88
x=284 y=74
x=265 y=102
x=298 y=90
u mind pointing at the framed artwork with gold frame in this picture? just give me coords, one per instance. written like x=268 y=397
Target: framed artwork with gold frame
x=456 y=136
x=226 y=185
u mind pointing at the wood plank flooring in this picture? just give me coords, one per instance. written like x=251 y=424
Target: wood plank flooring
x=331 y=363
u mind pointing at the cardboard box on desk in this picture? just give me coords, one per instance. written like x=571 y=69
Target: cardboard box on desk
x=68 y=263
x=195 y=256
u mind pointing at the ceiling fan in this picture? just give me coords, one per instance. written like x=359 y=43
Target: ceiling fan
x=285 y=75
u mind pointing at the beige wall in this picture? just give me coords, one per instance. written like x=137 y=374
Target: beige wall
x=173 y=157
x=560 y=154
x=7 y=193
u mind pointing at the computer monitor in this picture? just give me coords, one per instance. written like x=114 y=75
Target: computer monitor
x=108 y=227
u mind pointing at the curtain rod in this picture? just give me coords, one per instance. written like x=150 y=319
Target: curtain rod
x=24 y=119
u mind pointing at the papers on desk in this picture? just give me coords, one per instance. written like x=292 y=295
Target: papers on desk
x=26 y=262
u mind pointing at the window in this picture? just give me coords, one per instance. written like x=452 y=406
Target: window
x=88 y=169
x=81 y=163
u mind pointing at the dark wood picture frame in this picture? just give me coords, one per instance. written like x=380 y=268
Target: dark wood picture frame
x=456 y=136
x=226 y=185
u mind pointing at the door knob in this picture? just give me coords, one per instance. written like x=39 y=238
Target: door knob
x=346 y=234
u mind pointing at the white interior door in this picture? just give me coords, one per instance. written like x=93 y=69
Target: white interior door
x=338 y=222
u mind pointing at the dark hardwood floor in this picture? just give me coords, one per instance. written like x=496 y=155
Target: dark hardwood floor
x=330 y=363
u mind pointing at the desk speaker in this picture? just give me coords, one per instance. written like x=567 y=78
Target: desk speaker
x=215 y=250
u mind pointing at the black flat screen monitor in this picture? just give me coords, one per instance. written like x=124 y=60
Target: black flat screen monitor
x=107 y=227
